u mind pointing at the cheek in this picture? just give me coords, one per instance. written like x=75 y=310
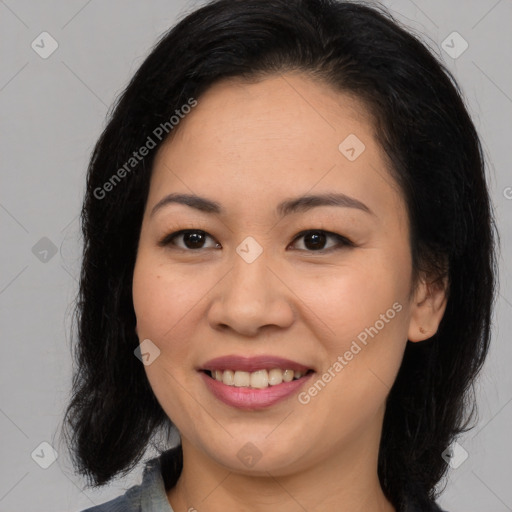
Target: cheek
x=165 y=299
x=363 y=329
x=350 y=300
x=360 y=315
x=164 y=307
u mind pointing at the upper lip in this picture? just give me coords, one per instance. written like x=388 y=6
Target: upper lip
x=252 y=364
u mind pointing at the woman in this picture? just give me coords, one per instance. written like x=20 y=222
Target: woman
x=289 y=261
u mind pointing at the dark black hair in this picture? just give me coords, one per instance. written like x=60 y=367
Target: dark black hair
x=434 y=153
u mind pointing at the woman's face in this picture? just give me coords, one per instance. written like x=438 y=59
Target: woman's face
x=297 y=258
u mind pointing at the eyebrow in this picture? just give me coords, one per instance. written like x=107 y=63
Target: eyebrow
x=294 y=205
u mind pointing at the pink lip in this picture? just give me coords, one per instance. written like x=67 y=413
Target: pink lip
x=252 y=364
x=251 y=398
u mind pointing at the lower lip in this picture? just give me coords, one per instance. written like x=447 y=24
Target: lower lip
x=252 y=398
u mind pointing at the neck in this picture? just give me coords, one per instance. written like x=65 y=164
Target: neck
x=345 y=481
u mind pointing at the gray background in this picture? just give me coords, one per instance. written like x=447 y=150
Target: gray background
x=54 y=109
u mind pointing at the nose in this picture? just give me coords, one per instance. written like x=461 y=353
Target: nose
x=250 y=299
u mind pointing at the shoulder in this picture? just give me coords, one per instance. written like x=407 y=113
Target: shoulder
x=119 y=504
x=149 y=496
x=130 y=501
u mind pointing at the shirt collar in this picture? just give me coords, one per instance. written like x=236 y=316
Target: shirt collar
x=153 y=495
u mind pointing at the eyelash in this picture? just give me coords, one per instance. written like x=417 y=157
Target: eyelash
x=341 y=240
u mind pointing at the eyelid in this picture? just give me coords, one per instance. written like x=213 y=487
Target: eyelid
x=342 y=241
x=167 y=239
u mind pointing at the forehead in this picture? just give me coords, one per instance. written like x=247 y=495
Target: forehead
x=284 y=135
x=283 y=113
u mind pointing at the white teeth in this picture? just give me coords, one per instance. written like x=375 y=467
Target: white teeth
x=275 y=376
x=288 y=375
x=259 y=379
x=242 y=379
x=228 y=377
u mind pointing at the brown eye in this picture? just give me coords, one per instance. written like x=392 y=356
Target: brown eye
x=194 y=240
x=316 y=240
x=189 y=239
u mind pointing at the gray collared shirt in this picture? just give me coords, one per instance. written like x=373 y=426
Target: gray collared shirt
x=148 y=496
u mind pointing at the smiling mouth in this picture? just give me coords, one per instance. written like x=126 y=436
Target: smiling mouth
x=259 y=379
